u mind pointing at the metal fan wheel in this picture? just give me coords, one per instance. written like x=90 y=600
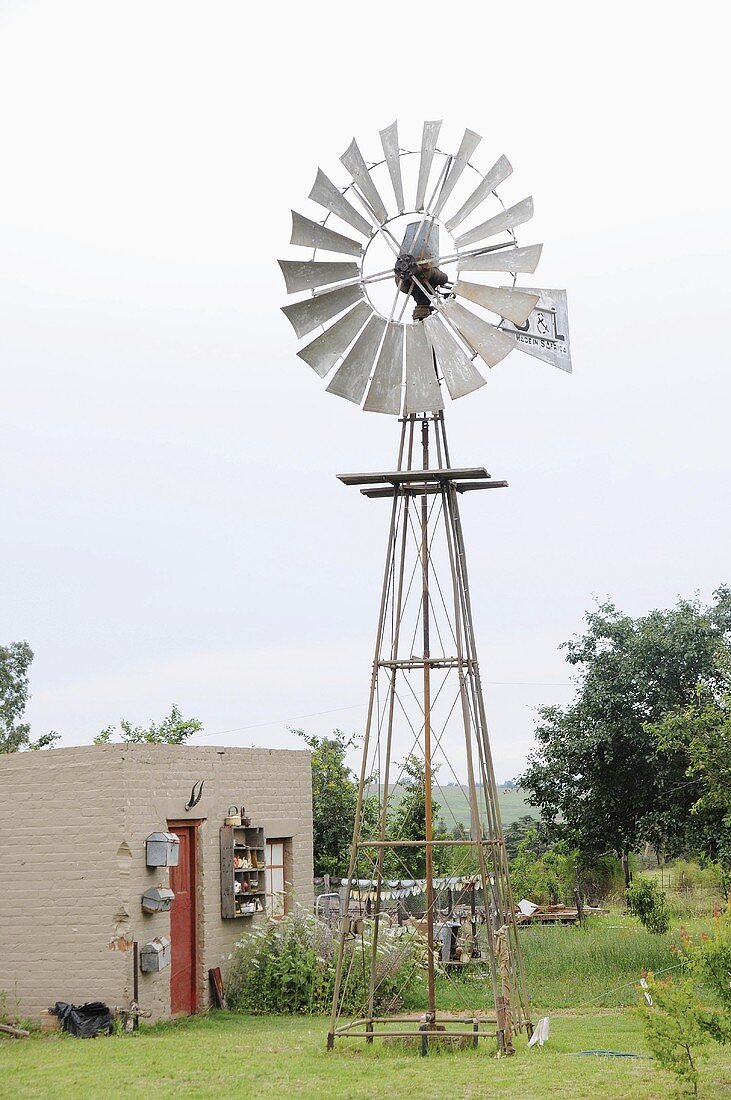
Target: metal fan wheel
x=366 y=267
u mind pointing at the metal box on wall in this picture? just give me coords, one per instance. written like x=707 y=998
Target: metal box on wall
x=158 y=899
x=155 y=955
x=162 y=850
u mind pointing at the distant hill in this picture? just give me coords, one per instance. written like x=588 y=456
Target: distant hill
x=454 y=806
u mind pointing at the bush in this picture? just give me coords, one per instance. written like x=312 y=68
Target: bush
x=708 y=960
x=647 y=902
x=287 y=967
x=673 y=1030
x=546 y=878
x=548 y=875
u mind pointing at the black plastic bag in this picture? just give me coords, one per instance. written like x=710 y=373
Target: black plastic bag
x=85 y=1021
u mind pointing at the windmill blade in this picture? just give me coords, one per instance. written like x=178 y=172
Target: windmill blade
x=389 y=141
x=515 y=215
x=490 y=342
x=353 y=160
x=515 y=305
x=306 y=315
x=510 y=259
x=307 y=274
x=324 y=351
x=325 y=193
x=545 y=332
x=429 y=137
x=384 y=393
x=422 y=386
x=469 y=143
x=460 y=373
x=313 y=235
x=500 y=171
x=351 y=377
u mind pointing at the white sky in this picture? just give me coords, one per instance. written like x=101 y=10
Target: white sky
x=172 y=530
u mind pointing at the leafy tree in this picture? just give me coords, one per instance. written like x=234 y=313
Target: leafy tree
x=15 y=661
x=707 y=958
x=703 y=731
x=520 y=830
x=407 y=821
x=173 y=730
x=599 y=775
x=334 y=799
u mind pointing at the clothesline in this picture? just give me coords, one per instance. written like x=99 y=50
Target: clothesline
x=403 y=888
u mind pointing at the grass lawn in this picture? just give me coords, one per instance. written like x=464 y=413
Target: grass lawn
x=224 y=1055
x=580 y=977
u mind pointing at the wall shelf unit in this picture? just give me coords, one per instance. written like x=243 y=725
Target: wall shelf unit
x=243 y=882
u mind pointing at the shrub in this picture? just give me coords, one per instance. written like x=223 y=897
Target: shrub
x=546 y=878
x=647 y=902
x=547 y=875
x=673 y=1029
x=685 y=876
x=708 y=960
x=287 y=966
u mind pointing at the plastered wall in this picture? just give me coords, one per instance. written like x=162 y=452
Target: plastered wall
x=72 y=861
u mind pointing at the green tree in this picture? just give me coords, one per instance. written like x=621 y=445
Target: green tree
x=173 y=730
x=15 y=661
x=407 y=821
x=703 y=732
x=334 y=799
x=599 y=775
x=524 y=827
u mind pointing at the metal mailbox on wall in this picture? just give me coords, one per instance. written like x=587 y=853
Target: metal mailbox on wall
x=155 y=955
x=162 y=850
x=158 y=899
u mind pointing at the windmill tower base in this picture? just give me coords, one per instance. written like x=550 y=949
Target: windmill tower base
x=426 y=693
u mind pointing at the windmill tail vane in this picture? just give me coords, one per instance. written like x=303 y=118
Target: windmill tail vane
x=391 y=325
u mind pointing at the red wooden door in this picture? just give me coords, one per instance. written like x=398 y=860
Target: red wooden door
x=183 y=945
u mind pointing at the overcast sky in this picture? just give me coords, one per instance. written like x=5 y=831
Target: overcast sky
x=172 y=530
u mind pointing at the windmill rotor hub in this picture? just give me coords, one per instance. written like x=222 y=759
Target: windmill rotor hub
x=406 y=267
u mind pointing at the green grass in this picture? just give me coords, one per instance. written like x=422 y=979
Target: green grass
x=568 y=966
x=580 y=977
x=241 y=1056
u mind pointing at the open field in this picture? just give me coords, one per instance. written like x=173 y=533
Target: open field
x=222 y=1055
x=454 y=806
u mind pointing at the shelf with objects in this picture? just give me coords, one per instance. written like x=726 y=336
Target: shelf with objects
x=242 y=871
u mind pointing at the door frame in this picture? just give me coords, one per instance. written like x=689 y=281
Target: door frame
x=194 y=833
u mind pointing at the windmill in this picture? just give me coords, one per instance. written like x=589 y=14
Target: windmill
x=449 y=221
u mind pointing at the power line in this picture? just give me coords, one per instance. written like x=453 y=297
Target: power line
x=359 y=706
x=282 y=721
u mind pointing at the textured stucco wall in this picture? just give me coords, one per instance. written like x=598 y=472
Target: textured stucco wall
x=72 y=861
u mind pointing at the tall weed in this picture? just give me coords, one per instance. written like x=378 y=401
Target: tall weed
x=599 y=963
x=287 y=966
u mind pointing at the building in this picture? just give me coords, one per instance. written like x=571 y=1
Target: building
x=74 y=867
